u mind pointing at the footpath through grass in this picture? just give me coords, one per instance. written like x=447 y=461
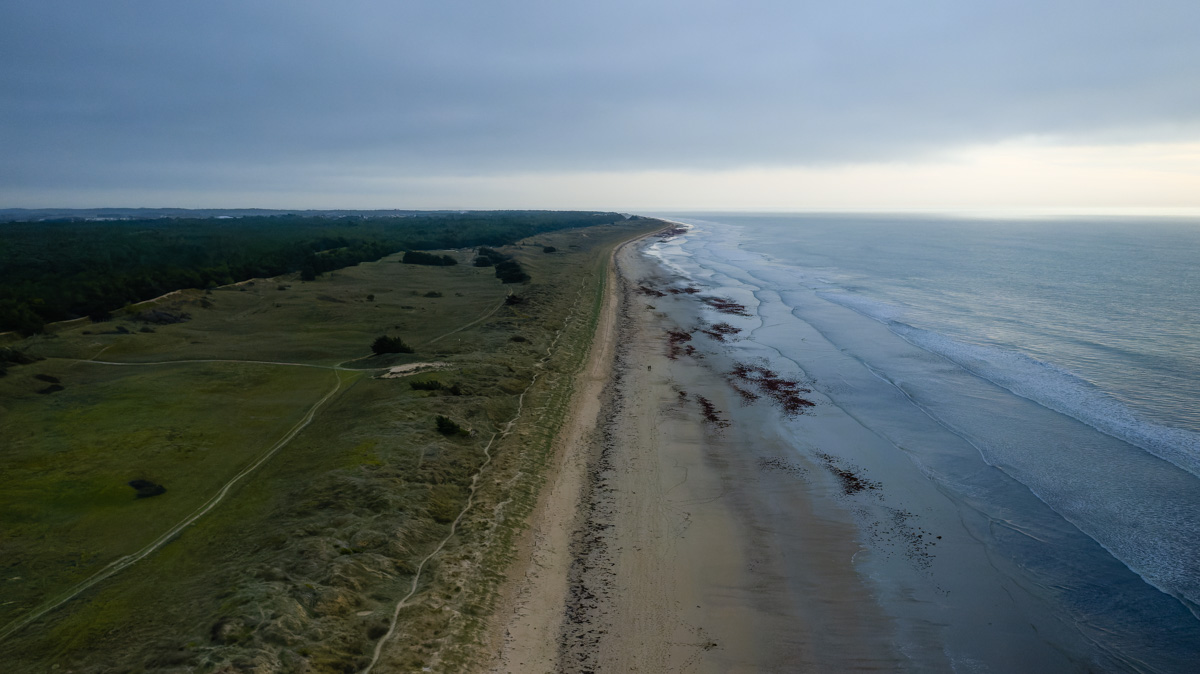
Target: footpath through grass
x=301 y=564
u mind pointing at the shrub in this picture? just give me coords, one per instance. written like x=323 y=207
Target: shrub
x=419 y=257
x=433 y=293
x=492 y=255
x=446 y=426
x=385 y=344
x=549 y=249
x=427 y=385
x=510 y=271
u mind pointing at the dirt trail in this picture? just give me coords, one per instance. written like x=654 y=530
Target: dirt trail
x=129 y=560
x=505 y=430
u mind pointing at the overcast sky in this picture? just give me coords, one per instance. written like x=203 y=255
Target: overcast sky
x=613 y=104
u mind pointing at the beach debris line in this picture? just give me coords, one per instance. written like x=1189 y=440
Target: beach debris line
x=726 y=306
x=675 y=344
x=851 y=482
x=769 y=464
x=747 y=396
x=688 y=290
x=650 y=291
x=783 y=392
x=720 y=331
x=711 y=413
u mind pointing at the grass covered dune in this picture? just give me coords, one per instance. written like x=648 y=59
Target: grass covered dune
x=309 y=512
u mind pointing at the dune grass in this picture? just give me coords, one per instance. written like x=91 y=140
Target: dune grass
x=299 y=566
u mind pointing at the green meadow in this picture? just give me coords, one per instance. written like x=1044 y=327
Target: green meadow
x=303 y=485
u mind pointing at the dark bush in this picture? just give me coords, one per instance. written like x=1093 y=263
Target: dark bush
x=420 y=257
x=385 y=344
x=146 y=488
x=549 y=249
x=433 y=293
x=513 y=299
x=510 y=271
x=427 y=385
x=492 y=256
x=446 y=426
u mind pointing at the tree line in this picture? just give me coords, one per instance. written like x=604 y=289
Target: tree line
x=52 y=271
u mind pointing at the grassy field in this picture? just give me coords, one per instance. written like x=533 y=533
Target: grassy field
x=303 y=489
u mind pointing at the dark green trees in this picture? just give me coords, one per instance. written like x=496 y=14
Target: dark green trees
x=418 y=257
x=446 y=426
x=385 y=344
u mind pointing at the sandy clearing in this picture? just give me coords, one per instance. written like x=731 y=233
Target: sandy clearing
x=412 y=368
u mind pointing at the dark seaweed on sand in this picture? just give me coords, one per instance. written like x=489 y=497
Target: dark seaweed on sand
x=726 y=306
x=721 y=331
x=711 y=413
x=783 y=392
x=675 y=340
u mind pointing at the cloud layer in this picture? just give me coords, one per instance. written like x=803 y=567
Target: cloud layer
x=206 y=96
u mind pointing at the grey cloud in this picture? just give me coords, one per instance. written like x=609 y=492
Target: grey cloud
x=113 y=93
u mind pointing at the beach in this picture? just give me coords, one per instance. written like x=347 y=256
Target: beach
x=708 y=513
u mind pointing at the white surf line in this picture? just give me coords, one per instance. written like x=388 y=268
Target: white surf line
x=129 y=560
x=474 y=481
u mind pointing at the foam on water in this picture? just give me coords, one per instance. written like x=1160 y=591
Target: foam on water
x=1044 y=383
x=1018 y=412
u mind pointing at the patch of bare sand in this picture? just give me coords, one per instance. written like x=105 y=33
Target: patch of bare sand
x=411 y=369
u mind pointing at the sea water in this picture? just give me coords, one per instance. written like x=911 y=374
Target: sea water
x=1065 y=352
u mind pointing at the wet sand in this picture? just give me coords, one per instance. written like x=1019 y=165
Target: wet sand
x=682 y=530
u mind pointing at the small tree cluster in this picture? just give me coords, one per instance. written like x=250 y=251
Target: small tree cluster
x=385 y=344
x=419 y=257
x=446 y=426
x=489 y=257
x=510 y=271
x=549 y=249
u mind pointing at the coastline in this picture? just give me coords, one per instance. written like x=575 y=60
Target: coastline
x=688 y=527
x=652 y=549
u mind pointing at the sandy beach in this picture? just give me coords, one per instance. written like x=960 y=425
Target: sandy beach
x=683 y=530
x=669 y=543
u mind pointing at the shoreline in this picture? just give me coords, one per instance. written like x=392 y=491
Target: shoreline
x=694 y=524
x=652 y=549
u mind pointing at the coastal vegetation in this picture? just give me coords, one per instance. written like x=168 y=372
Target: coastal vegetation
x=59 y=270
x=252 y=488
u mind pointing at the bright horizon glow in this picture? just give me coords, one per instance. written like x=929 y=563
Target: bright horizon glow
x=1028 y=176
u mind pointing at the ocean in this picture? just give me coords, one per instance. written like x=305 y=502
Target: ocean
x=1042 y=374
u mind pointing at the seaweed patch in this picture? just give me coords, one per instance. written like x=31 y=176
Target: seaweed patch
x=711 y=413
x=783 y=392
